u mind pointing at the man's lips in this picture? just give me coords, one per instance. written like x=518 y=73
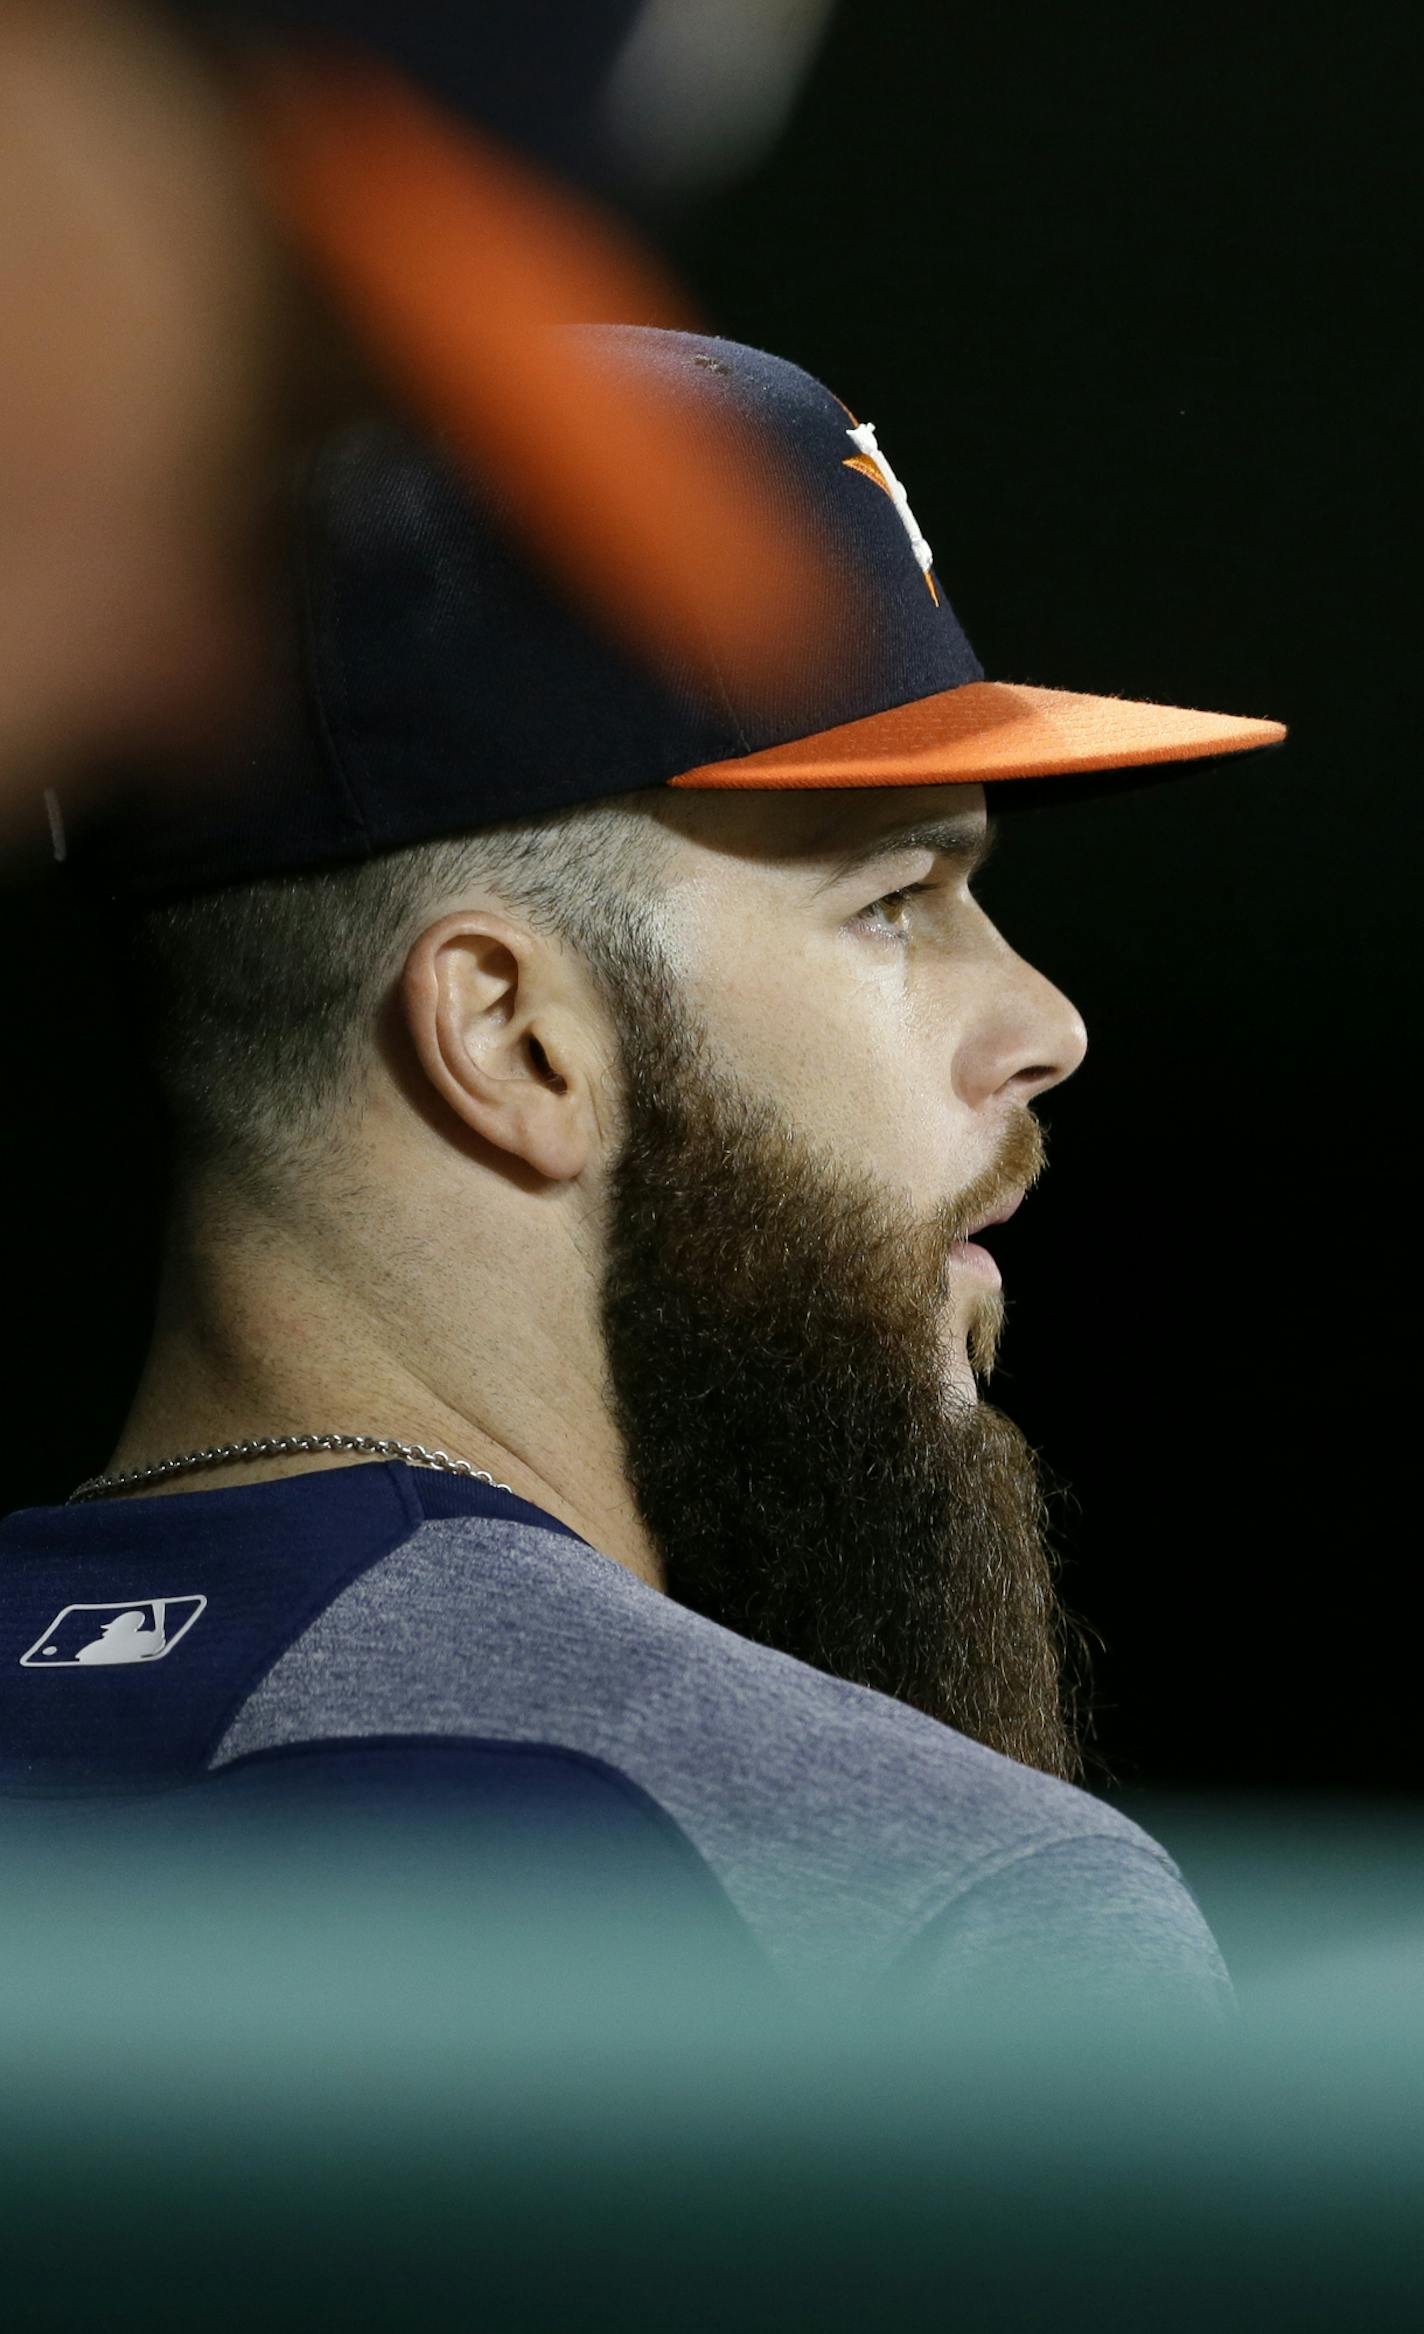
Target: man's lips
x=977 y=1261
x=1009 y=1208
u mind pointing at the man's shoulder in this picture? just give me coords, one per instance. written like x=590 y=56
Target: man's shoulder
x=485 y=1626
x=865 y=1751
x=854 y=1833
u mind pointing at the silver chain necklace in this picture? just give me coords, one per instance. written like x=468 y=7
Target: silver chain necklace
x=269 y=1446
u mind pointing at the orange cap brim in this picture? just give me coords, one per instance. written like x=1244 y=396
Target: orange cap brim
x=990 y=730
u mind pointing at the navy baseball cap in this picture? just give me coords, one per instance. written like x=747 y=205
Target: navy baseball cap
x=431 y=679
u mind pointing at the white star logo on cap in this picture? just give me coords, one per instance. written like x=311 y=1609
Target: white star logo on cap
x=872 y=464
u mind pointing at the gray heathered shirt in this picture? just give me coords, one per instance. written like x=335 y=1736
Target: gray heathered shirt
x=863 y=1842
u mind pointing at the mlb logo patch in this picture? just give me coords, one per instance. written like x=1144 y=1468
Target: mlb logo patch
x=102 y=1636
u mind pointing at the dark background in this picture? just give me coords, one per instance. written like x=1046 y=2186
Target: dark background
x=1125 y=295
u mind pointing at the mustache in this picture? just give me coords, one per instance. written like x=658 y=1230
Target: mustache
x=1020 y=1165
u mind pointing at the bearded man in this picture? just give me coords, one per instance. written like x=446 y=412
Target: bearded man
x=585 y=1095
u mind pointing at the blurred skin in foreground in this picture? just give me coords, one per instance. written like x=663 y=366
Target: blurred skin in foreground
x=136 y=392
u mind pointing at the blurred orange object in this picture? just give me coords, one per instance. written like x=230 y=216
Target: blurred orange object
x=454 y=258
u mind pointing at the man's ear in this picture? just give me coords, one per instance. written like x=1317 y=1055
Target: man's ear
x=496 y=1035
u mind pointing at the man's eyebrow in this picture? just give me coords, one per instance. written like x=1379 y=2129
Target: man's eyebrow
x=970 y=847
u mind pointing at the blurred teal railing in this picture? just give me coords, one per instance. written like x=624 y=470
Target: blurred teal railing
x=306 y=2084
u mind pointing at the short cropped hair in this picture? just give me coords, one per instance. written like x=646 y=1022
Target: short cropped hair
x=257 y=1003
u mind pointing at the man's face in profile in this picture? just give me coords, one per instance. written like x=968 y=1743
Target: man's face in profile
x=833 y=1094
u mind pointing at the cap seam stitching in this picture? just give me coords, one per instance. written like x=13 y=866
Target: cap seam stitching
x=729 y=708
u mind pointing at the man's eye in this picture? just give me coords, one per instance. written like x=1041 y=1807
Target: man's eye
x=870 y=917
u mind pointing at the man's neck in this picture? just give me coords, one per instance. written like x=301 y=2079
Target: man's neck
x=250 y=1341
